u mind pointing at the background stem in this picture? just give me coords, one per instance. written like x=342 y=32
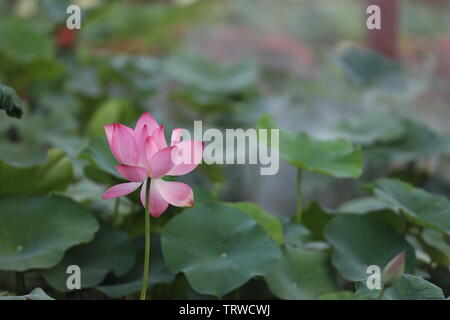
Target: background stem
x=147 y=243
x=298 y=215
x=116 y=214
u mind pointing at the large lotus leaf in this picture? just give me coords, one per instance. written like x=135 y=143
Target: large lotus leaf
x=419 y=142
x=375 y=208
x=372 y=128
x=34 y=57
x=100 y=157
x=37 y=230
x=316 y=217
x=218 y=248
x=409 y=287
x=131 y=282
x=360 y=241
x=418 y=206
x=85 y=191
x=302 y=274
x=136 y=71
x=111 y=250
x=437 y=246
x=36 y=294
x=337 y=158
x=268 y=221
x=53 y=175
x=209 y=76
x=362 y=205
x=14 y=30
x=119 y=20
x=366 y=67
x=10 y=102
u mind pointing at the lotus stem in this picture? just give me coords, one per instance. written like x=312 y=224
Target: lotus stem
x=147 y=244
x=298 y=215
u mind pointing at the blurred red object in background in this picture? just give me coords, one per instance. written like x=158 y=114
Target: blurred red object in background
x=66 y=38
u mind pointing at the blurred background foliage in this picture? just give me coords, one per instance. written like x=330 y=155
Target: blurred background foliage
x=225 y=63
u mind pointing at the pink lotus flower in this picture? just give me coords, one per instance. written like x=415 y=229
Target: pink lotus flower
x=143 y=153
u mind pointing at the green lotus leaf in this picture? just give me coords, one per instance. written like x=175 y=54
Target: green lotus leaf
x=362 y=205
x=209 y=76
x=337 y=158
x=131 y=282
x=302 y=274
x=437 y=246
x=101 y=159
x=372 y=128
x=37 y=230
x=360 y=241
x=409 y=287
x=268 y=221
x=55 y=174
x=418 y=206
x=111 y=250
x=10 y=102
x=217 y=247
x=114 y=110
x=366 y=67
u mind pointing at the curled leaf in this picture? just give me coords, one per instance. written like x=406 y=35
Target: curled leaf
x=10 y=102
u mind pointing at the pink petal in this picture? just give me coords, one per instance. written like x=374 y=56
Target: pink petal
x=146 y=120
x=176 y=136
x=150 y=149
x=141 y=137
x=160 y=139
x=120 y=190
x=144 y=193
x=130 y=130
x=136 y=174
x=157 y=203
x=123 y=145
x=176 y=193
x=161 y=162
x=109 y=128
x=189 y=157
